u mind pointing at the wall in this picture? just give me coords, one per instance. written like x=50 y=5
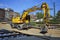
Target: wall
x=2 y=14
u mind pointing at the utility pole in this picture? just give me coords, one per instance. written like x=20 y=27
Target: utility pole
x=54 y=8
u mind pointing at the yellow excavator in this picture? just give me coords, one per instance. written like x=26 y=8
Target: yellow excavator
x=20 y=22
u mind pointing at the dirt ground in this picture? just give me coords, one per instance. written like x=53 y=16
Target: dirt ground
x=32 y=31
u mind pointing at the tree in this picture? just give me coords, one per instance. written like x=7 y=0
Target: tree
x=56 y=19
x=58 y=15
x=39 y=15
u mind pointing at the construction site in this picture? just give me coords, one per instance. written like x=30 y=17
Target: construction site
x=43 y=25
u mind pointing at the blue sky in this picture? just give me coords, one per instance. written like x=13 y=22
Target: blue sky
x=20 y=5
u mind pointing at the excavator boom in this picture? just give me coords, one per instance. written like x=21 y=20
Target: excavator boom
x=26 y=12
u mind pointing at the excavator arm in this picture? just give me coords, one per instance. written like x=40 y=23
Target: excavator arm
x=43 y=7
x=26 y=12
x=46 y=16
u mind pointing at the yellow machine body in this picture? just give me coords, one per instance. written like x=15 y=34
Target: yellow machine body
x=17 y=20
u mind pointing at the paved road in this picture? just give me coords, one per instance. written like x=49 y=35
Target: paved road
x=30 y=38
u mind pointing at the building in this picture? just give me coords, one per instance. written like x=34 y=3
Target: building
x=9 y=13
x=6 y=14
x=16 y=14
x=33 y=17
x=2 y=14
